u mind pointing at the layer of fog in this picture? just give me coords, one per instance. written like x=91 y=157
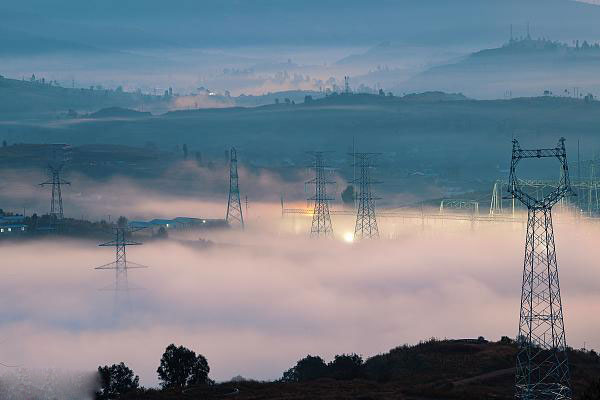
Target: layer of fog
x=257 y=301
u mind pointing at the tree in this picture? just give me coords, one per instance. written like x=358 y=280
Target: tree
x=180 y=367
x=348 y=195
x=346 y=367
x=162 y=233
x=122 y=222
x=185 y=151
x=115 y=381
x=307 y=369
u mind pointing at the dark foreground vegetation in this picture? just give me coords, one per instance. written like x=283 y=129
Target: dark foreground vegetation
x=436 y=369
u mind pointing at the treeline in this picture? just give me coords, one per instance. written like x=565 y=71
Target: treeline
x=430 y=368
x=179 y=368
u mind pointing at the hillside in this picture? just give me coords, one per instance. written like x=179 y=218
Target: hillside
x=45 y=99
x=447 y=369
x=118 y=112
x=522 y=66
x=415 y=134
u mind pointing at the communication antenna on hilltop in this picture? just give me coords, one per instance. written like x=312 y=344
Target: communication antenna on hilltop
x=321 y=222
x=366 y=220
x=55 y=166
x=121 y=265
x=542 y=367
x=234 y=205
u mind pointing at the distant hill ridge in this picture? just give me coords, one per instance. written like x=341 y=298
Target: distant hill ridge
x=119 y=112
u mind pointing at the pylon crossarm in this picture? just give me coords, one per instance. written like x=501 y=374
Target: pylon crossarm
x=131 y=264
x=108 y=266
x=515 y=184
x=114 y=243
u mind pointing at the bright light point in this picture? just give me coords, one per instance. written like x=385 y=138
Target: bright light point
x=348 y=237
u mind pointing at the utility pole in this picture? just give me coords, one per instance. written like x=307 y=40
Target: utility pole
x=234 y=205
x=121 y=265
x=542 y=371
x=366 y=220
x=55 y=167
x=321 y=222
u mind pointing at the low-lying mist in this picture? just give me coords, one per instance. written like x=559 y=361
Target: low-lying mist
x=257 y=301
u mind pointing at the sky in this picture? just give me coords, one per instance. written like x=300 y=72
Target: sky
x=155 y=45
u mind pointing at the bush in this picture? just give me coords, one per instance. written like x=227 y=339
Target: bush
x=307 y=369
x=346 y=367
x=180 y=367
x=115 y=381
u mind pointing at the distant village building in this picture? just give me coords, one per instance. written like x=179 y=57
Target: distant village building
x=12 y=225
x=179 y=224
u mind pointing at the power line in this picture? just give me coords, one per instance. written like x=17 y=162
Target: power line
x=366 y=220
x=321 y=222
x=121 y=265
x=55 y=167
x=542 y=364
x=234 y=215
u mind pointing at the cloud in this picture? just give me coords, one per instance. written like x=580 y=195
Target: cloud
x=260 y=300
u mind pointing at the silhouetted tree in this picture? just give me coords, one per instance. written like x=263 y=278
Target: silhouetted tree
x=162 y=233
x=115 y=381
x=348 y=195
x=307 y=369
x=506 y=340
x=346 y=367
x=180 y=367
x=122 y=222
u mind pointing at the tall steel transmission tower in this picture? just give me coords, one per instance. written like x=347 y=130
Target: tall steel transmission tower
x=366 y=220
x=56 y=205
x=321 y=222
x=234 y=205
x=121 y=265
x=542 y=365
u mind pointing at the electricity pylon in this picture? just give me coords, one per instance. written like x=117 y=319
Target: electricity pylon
x=56 y=205
x=234 y=205
x=366 y=220
x=321 y=222
x=121 y=265
x=542 y=366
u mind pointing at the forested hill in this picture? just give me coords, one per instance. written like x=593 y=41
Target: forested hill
x=38 y=97
x=467 y=369
x=523 y=66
